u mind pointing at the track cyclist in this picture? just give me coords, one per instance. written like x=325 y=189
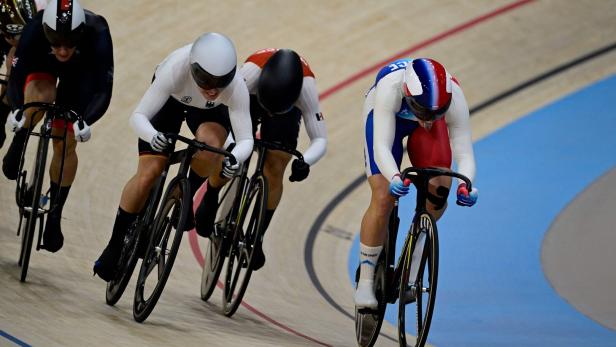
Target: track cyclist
x=13 y=18
x=71 y=46
x=197 y=83
x=282 y=92
x=417 y=98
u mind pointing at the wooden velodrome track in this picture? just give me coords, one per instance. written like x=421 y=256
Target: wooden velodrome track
x=491 y=47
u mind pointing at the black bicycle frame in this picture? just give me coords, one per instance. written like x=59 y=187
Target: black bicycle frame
x=184 y=158
x=52 y=112
x=262 y=146
x=420 y=177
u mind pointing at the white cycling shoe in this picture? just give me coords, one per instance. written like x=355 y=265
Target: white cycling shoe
x=364 y=295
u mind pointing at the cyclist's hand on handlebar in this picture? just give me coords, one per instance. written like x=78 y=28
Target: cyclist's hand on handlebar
x=229 y=169
x=82 y=134
x=299 y=171
x=16 y=119
x=159 y=142
x=397 y=187
x=466 y=198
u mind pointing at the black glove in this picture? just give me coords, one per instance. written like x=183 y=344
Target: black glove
x=299 y=171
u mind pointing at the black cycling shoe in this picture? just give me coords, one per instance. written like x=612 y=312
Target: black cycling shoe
x=53 y=240
x=204 y=219
x=106 y=266
x=259 y=259
x=10 y=163
x=2 y=136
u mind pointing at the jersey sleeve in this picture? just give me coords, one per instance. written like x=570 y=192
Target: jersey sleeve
x=250 y=72
x=308 y=103
x=28 y=49
x=387 y=101
x=152 y=101
x=458 y=125
x=241 y=124
x=103 y=72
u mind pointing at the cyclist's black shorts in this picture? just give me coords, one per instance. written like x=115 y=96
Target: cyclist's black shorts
x=170 y=117
x=282 y=128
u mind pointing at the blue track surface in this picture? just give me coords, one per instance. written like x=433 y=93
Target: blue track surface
x=492 y=290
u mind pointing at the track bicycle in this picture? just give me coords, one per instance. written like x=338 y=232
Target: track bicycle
x=31 y=199
x=402 y=282
x=168 y=226
x=241 y=231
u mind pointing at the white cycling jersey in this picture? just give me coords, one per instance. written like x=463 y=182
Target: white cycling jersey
x=173 y=79
x=386 y=101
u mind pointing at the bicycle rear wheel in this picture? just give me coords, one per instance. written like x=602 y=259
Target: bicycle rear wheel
x=247 y=237
x=218 y=244
x=126 y=265
x=419 y=289
x=172 y=214
x=31 y=208
x=368 y=322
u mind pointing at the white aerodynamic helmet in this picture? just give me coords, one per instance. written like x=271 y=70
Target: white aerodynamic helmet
x=64 y=22
x=213 y=61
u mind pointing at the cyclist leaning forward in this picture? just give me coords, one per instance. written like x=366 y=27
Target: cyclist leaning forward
x=282 y=92
x=197 y=83
x=71 y=45
x=13 y=17
x=417 y=98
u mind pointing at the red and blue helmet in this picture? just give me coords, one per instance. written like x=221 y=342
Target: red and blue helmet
x=427 y=89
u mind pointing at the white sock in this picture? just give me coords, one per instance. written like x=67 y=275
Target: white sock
x=368 y=256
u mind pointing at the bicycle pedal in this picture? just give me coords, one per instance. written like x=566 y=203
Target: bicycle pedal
x=409 y=295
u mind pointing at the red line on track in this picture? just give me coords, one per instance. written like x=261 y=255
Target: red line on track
x=192 y=236
x=345 y=83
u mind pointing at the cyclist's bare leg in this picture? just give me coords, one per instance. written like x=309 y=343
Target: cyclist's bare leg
x=436 y=204
x=376 y=217
x=134 y=197
x=42 y=90
x=372 y=237
x=38 y=91
x=70 y=160
x=439 y=191
x=138 y=187
x=275 y=164
x=53 y=238
x=208 y=164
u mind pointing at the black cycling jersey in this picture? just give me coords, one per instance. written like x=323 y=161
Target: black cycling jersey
x=5 y=47
x=86 y=80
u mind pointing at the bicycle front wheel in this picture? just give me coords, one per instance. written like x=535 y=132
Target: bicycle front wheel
x=31 y=207
x=161 y=251
x=246 y=238
x=218 y=244
x=419 y=280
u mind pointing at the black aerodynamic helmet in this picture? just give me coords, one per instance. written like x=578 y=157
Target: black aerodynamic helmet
x=15 y=14
x=280 y=82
